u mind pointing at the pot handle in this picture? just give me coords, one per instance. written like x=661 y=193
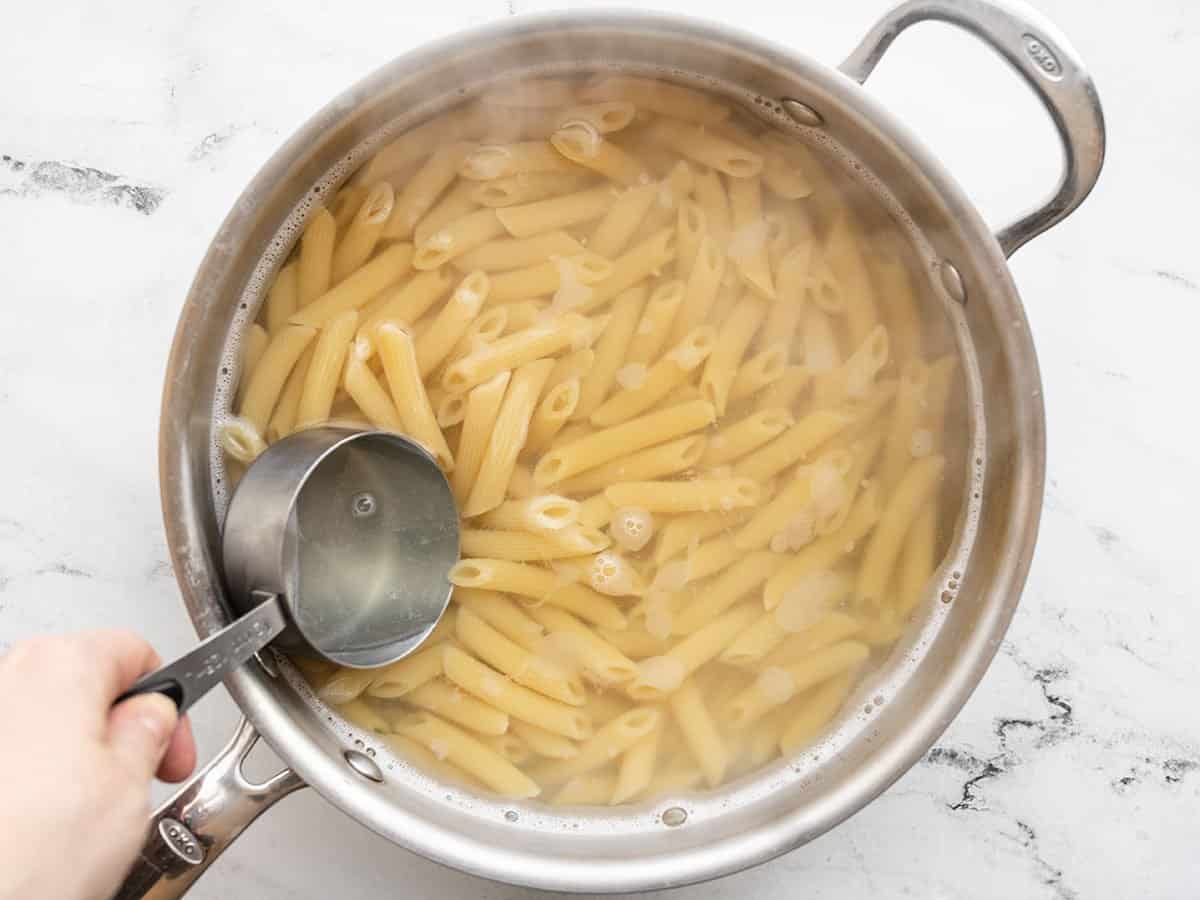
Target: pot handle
x=1049 y=65
x=195 y=826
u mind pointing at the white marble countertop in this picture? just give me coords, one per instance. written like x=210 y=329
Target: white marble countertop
x=128 y=129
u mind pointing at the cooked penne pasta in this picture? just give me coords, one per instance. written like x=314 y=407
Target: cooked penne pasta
x=710 y=343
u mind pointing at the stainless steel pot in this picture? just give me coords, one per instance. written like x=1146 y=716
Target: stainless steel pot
x=930 y=674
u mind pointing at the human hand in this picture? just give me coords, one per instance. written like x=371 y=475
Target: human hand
x=77 y=770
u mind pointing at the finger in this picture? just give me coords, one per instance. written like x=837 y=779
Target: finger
x=139 y=730
x=118 y=658
x=180 y=758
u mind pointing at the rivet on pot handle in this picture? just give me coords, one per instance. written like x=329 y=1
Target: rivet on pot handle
x=195 y=826
x=1049 y=65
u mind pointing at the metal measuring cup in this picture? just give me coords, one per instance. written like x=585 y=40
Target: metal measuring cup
x=337 y=545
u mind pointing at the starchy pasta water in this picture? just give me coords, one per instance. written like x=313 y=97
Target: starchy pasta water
x=697 y=406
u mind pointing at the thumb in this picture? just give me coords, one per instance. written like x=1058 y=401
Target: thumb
x=139 y=730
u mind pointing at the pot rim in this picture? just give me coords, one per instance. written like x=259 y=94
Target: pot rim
x=252 y=688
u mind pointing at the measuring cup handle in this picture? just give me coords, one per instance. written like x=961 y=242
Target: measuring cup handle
x=1047 y=63
x=194 y=674
x=195 y=826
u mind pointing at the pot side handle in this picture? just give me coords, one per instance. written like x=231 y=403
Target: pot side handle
x=195 y=826
x=1049 y=65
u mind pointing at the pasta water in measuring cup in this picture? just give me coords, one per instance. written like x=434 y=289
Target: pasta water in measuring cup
x=697 y=406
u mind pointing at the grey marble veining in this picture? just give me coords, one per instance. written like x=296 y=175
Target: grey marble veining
x=127 y=131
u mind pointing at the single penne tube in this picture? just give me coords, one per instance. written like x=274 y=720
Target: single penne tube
x=363 y=233
x=420 y=756
x=526 y=669
x=345 y=685
x=600 y=660
x=355 y=291
x=510 y=747
x=503 y=615
x=505 y=254
x=364 y=717
x=843 y=254
x=552 y=414
x=609 y=351
x=283 y=297
x=423 y=189
x=655 y=326
x=898 y=448
x=515 y=350
x=614 y=231
x=473 y=756
x=636 y=768
x=267 y=381
x=793 y=445
x=712 y=199
x=545 y=512
x=540 y=586
x=610 y=740
x=657 y=96
x=746 y=435
x=595 y=511
x=817 y=709
x=577 y=271
x=914 y=490
x=660 y=380
x=608 y=444
x=456 y=238
x=315 y=264
x=711 y=556
x=700 y=294
x=325 y=370
x=760 y=371
x=528 y=187
x=727 y=589
x=635 y=264
x=451 y=322
x=918 y=561
x=525 y=546
x=510 y=430
x=254 y=344
x=736 y=333
x=634 y=643
x=682 y=532
x=653 y=462
x=283 y=418
x=902 y=309
x=825 y=551
x=406 y=303
x=700 y=495
x=408 y=674
x=700 y=731
x=483 y=406
x=453 y=205
x=692 y=227
x=708 y=149
x=777 y=685
x=583 y=145
x=490 y=161
x=567 y=211
x=545 y=743
x=399 y=358
x=453 y=704
x=658 y=680
x=822 y=354
x=519 y=702
x=748 y=244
